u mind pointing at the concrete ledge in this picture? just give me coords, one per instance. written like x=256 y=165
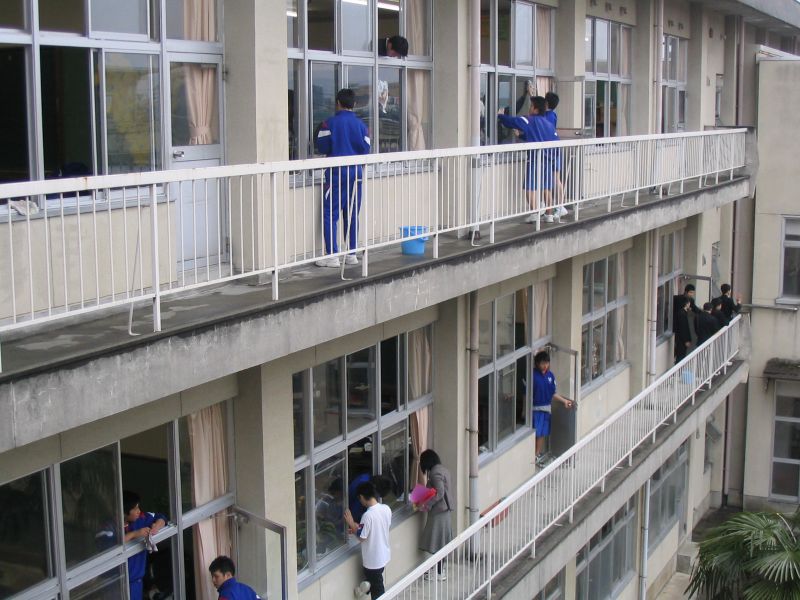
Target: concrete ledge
x=52 y=399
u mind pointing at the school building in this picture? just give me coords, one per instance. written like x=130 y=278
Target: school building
x=164 y=328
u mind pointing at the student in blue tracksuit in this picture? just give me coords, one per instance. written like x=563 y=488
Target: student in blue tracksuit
x=138 y=525
x=222 y=572
x=343 y=134
x=539 y=171
x=544 y=392
x=552 y=100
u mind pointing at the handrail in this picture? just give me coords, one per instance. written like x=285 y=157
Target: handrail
x=515 y=524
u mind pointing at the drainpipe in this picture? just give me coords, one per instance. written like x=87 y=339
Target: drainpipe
x=658 y=66
x=652 y=319
x=645 y=539
x=474 y=71
x=473 y=407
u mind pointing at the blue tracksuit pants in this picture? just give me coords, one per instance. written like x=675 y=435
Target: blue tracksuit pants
x=341 y=184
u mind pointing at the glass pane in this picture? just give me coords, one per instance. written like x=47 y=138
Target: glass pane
x=523 y=370
x=486 y=32
x=672 y=64
x=525 y=90
x=598 y=336
x=299 y=382
x=600 y=109
x=613 y=293
x=485 y=110
x=484 y=391
x=418 y=25
x=504 y=32
x=108 y=586
x=791 y=271
x=324 y=86
x=62 y=15
x=785 y=479
x=133 y=107
x=203 y=446
x=665 y=260
x=541 y=310
x=787 y=406
x=145 y=470
x=601 y=45
x=588 y=46
x=321 y=23
x=292 y=24
x=24 y=534
x=681 y=108
x=361 y=371
x=506 y=395
x=589 y=112
x=391 y=389
x=360 y=469
x=620 y=334
x=787 y=440
x=359 y=79
x=214 y=532
x=91 y=504
x=521 y=334
x=390 y=110
x=683 y=60
x=356 y=30
x=293 y=108
x=329 y=504
x=327 y=382
x=614 y=41
x=613 y=109
x=625 y=52
x=14 y=161
x=599 y=285
x=120 y=16
x=195 y=106
x=393 y=465
x=507 y=102
x=388 y=19
x=585 y=373
x=193 y=20
x=66 y=113
x=420 y=362
x=485 y=334
x=611 y=339
x=301 y=521
x=544 y=43
x=419 y=109
x=523 y=34
x=504 y=315
x=12 y=14
x=586 y=302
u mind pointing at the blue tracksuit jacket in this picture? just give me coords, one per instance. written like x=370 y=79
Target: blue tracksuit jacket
x=137 y=564
x=535 y=128
x=233 y=590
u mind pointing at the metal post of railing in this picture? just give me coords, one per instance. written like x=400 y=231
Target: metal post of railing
x=578 y=181
x=572 y=471
x=717 y=162
x=492 y=198
x=274 y=188
x=636 y=176
x=683 y=162
x=436 y=207
x=365 y=235
x=154 y=250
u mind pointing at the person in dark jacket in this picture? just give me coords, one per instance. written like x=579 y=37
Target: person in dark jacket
x=223 y=573
x=393 y=47
x=716 y=310
x=683 y=335
x=707 y=324
x=138 y=525
x=728 y=305
x=343 y=134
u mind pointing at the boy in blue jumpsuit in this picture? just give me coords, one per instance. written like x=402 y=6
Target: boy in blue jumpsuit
x=536 y=127
x=343 y=134
x=138 y=524
x=544 y=392
x=552 y=100
x=222 y=572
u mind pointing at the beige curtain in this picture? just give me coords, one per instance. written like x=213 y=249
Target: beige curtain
x=623 y=108
x=199 y=22
x=544 y=59
x=521 y=310
x=625 y=52
x=622 y=273
x=419 y=441
x=417 y=26
x=420 y=363
x=541 y=308
x=419 y=93
x=544 y=85
x=212 y=537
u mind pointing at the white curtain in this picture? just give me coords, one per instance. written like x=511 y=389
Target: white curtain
x=419 y=82
x=544 y=59
x=199 y=21
x=623 y=108
x=541 y=309
x=419 y=422
x=212 y=537
x=622 y=273
x=420 y=363
x=625 y=52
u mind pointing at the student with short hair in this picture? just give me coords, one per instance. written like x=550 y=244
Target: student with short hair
x=373 y=533
x=223 y=576
x=707 y=324
x=395 y=46
x=138 y=525
x=544 y=392
x=728 y=305
x=716 y=310
x=552 y=100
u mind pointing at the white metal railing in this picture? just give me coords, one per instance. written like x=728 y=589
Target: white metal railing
x=77 y=245
x=514 y=526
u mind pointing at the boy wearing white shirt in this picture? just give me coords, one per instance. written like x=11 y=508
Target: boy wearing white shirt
x=373 y=533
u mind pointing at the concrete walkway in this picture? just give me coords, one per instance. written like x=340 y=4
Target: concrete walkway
x=674 y=590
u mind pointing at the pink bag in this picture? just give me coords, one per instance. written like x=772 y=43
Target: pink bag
x=421 y=494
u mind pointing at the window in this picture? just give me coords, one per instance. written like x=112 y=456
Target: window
x=786 y=443
x=606 y=563
x=369 y=415
x=604 y=321
x=88 y=494
x=791 y=258
x=670 y=270
x=668 y=488
x=555 y=588
x=674 y=67
x=393 y=97
x=607 y=46
x=507 y=344
x=522 y=61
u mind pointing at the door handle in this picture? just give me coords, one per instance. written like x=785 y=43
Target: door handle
x=177 y=154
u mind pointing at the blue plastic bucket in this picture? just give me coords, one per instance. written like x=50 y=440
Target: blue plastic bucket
x=415 y=247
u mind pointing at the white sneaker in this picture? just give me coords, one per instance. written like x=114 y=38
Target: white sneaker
x=332 y=262
x=350 y=259
x=531 y=218
x=362 y=590
x=547 y=218
x=442 y=576
x=562 y=211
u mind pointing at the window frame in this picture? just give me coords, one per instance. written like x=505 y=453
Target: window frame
x=790 y=389
x=677 y=464
x=669 y=282
x=673 y=87
x=785 y=221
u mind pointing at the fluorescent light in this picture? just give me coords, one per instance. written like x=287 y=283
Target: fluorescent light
x=291 y=13
x=396 y=7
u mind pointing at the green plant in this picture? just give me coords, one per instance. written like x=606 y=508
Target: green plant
x=755 y=556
